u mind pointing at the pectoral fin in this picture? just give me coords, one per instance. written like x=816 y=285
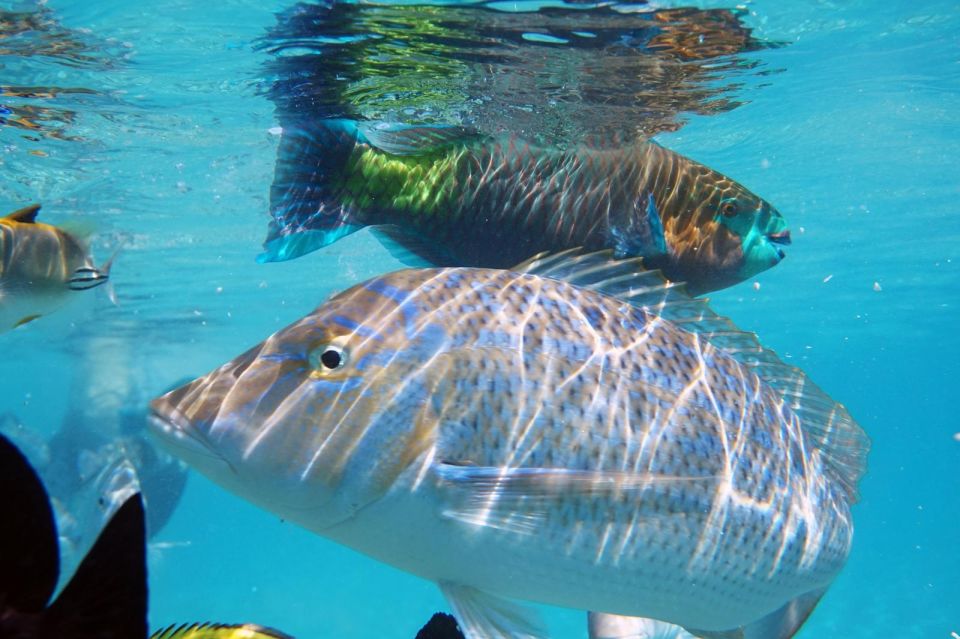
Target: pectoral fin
x=519 y=499
x=485 y=616
x=783 y=623
x=27 y=320
x=643 y=234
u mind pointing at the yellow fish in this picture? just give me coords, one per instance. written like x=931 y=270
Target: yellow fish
x=218 y=631
x=41 y=267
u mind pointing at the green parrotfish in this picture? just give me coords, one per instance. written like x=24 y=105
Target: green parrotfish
x=458 y=198
x=575 y=432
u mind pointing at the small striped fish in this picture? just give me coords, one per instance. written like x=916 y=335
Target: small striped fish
x=40 y=266
x=574 y=432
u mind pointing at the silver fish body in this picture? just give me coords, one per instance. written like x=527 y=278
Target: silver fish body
x=511 y=435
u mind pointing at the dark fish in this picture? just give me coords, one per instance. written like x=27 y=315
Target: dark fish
x=107 y=596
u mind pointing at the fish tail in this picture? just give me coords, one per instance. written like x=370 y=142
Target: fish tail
x=334 y=177
x=107 y=596
x=309 y=205
x=105 y=270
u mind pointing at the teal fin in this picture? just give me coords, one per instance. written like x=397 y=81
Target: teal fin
x=783 y=623
x=485 y=616
x=26 y=215
x=404 y=139
x=830 y=426
x=519 y=499
x=408 y=247
x=643 y=235
x=605 y=626
x=307 y=204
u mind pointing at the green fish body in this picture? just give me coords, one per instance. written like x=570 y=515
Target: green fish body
x=461 y=199
x=512 y=435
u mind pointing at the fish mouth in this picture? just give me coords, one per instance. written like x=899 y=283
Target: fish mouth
x=781 y=238
x=175 y=431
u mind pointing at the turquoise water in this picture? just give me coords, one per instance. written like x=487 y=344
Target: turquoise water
x=162 y=136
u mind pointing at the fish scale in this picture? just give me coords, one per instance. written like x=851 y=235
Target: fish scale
x=589 y=448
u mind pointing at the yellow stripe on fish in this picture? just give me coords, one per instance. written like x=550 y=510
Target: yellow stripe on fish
x=218 y=631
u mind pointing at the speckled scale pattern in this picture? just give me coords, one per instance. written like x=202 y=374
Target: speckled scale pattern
x=650 y=472
x=544 y=375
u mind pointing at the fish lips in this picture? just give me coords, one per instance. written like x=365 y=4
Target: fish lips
x=181 y=438
x=777 y=239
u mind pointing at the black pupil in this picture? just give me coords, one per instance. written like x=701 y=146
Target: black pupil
x=729 y=208
x=331 y=358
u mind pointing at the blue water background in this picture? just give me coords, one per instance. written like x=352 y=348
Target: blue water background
x=857 y=141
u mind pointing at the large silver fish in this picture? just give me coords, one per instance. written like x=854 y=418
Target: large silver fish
x=40 y=267
x=557 y=435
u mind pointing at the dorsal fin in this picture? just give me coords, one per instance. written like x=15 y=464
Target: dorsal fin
x=833 y=431
x=26 y=215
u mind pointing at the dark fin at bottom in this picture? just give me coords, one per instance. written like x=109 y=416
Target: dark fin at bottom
x=441 y=626
x=107 y=596
x=29 y=558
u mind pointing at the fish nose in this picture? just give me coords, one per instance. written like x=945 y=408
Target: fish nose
x=187 y=407
x=783 y=237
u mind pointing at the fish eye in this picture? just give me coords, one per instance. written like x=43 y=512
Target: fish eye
x=729 y=208
x=328 y=357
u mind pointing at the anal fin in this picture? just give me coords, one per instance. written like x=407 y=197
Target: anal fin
x=605 y=626
x=782 y=623
x=485 y=616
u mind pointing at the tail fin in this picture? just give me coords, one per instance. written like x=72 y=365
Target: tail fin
x=29 y=560
x=306 y=203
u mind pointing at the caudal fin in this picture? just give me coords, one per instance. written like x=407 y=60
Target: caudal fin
x=308 y=203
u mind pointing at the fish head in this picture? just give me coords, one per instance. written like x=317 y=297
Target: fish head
x=720 y=233
x=317 y=420
x=759 y=227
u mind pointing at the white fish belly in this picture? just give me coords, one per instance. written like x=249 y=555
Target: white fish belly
x=660 y=567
